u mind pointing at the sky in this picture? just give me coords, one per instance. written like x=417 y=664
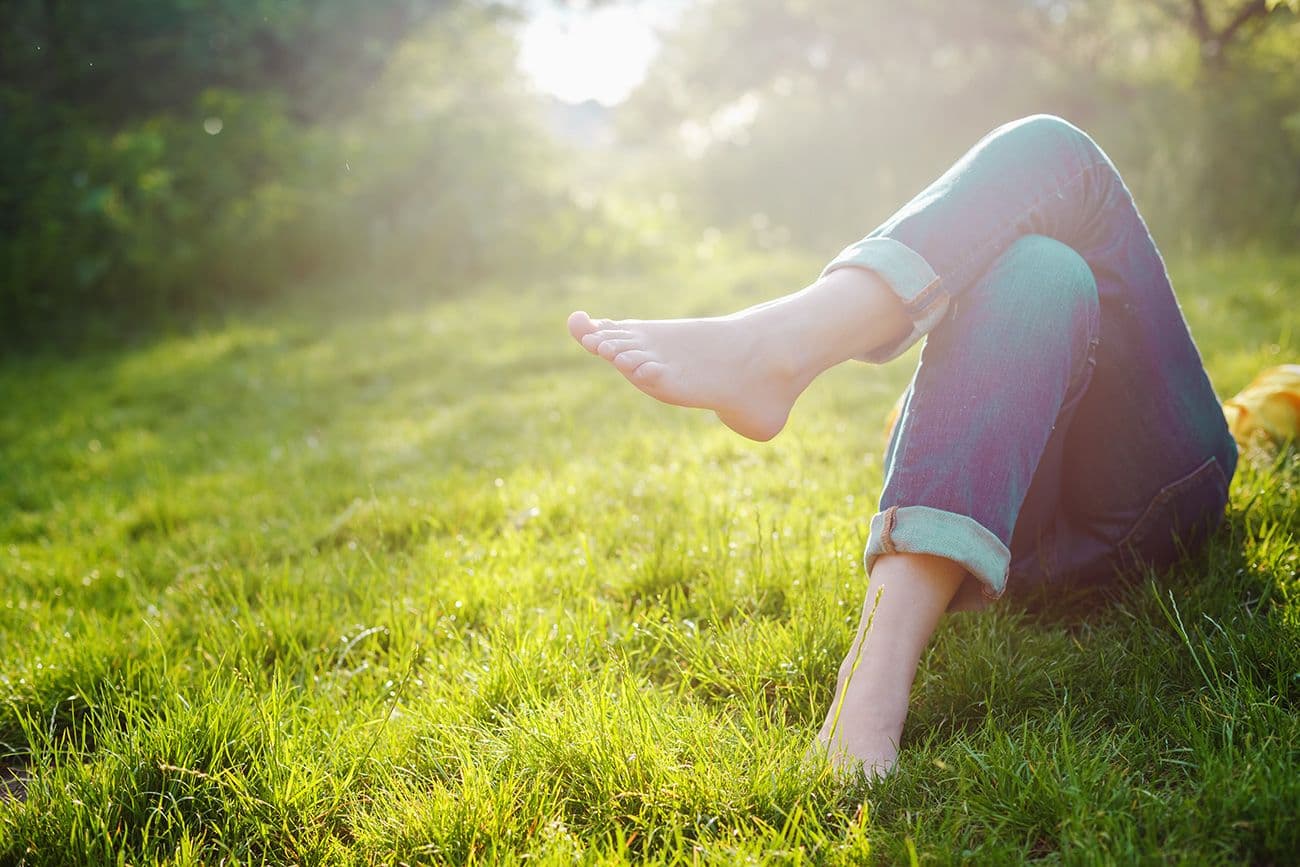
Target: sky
x=578 y=52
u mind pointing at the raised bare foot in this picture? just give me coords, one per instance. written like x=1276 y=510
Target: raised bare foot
x=751 y=366
x=745 y=367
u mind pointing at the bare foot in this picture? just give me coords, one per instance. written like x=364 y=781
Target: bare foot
x=906 y=595
x=751 y=366
x=862 y=729
x=875 y=756
x=739 y=366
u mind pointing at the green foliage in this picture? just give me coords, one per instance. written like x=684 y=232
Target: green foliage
x=438 y=169
x=145 y=218
x=823 y=117
x=158 y=158
x=430 y=585
x=115 y=60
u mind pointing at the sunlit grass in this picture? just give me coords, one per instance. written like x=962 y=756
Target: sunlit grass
x=432 y=585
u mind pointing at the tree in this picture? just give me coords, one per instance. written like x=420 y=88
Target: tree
x=116 y=60
x=821 y=115
x=1242 y=23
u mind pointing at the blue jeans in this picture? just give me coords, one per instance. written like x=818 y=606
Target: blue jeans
x=1060 y=427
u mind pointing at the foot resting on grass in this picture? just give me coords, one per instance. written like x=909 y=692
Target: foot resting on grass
x=906 y=595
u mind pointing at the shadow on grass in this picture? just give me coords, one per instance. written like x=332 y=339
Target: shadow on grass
x=13 y=782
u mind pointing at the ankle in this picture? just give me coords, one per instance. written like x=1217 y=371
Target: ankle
x=876 y=691
x=860 y=313
x=776 y=342
x=793 y=339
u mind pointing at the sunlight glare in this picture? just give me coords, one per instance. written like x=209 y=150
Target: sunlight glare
x=577 y=54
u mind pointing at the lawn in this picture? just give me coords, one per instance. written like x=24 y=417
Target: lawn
x=429 y=584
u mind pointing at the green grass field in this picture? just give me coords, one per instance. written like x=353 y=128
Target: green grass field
x=432 y=585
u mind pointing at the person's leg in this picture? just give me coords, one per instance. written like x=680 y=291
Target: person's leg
x=1147 y=432
x=998 y=378
x=906 y=595
x=1039 y=175
x=1144 y=465
x=1151 y=419
x=1136 y=462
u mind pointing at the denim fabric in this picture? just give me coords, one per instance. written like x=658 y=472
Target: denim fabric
x=1060 y=426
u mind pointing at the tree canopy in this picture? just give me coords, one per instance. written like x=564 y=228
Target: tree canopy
x=159 y=155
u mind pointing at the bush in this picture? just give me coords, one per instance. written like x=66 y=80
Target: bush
x=438 y=172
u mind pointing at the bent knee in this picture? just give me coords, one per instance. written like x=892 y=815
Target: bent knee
x=1051 y=258
x=1041 y=275
x=1046 y=137
x=1048 y=125
x=1046 y=129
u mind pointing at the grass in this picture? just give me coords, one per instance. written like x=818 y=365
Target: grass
x=429 y=585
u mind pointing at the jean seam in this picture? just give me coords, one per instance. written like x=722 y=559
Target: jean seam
x=1088 y=367
x=982 y=554
x=919 y=304
x=927 y=312
x=887 y=531
x=1141 y=529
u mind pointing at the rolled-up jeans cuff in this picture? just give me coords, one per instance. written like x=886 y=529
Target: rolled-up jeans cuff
x=908 y=276
x=926 y=530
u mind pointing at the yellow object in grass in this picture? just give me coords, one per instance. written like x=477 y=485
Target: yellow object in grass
x=1268 y=408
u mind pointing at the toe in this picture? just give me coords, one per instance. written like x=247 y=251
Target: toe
x=593 y=339
x=630 y=360
x=580 y=324
x=610 y=348
x=648 y=374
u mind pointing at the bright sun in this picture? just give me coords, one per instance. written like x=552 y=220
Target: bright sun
x=578 y=54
